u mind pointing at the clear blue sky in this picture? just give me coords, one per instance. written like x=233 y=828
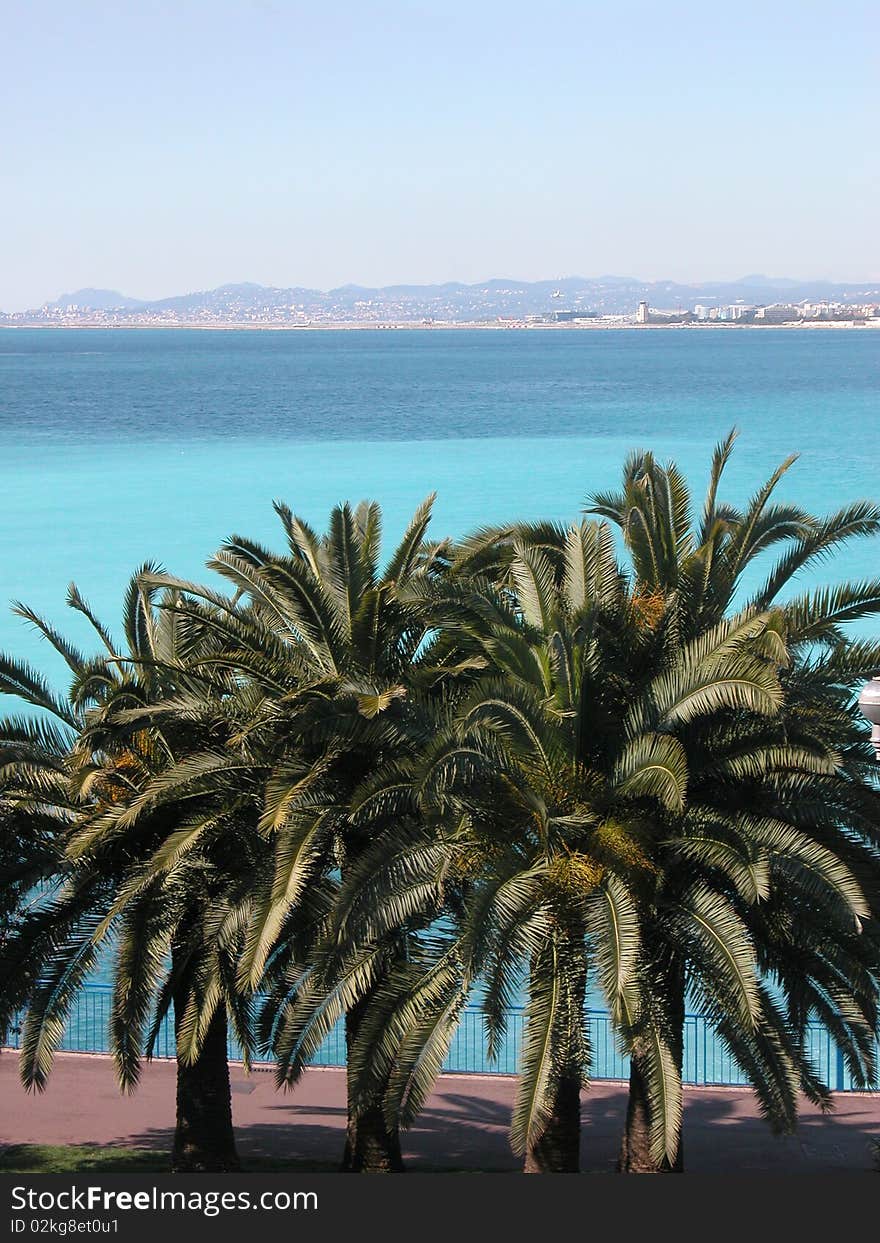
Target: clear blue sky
x=162 y=147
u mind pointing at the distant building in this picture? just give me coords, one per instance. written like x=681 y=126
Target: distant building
x=778 y=313
x=701 y=312
x=736 y=310
x=643 y=314
x=564 y=316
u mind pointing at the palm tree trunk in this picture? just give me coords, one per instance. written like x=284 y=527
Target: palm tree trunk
x=635 y=1149
x=204 y=1141
x=371 y=1146
x=558 y=1150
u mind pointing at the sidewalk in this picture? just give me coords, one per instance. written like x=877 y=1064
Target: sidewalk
x=464 y=1125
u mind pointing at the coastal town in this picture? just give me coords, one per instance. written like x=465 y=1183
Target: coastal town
x=602 y=303
x=801 y=313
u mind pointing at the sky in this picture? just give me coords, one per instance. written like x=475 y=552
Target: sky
x=158 y=148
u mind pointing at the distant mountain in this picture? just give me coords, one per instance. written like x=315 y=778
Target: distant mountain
x=499 y=298
x=95 y=300
x=757 y=281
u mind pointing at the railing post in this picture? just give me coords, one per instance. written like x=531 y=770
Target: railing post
x=841 y=1070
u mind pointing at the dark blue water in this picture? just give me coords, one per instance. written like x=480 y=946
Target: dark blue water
x=171 y=385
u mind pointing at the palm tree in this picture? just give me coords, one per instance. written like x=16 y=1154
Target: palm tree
x=766 y=815
x=564 y=777
x=335 y=653
x=36 y=811
x=134 y=866
x=693 y=575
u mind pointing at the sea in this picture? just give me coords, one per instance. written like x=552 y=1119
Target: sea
x=125 y=446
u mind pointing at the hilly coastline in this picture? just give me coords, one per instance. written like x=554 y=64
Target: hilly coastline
x=450 y=303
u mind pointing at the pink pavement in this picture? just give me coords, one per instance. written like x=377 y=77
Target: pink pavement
x=464 y=1124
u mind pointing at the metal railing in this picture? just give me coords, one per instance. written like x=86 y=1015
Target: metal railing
x=707 y=1060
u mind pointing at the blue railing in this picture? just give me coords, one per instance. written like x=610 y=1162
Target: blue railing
x=707 y=1060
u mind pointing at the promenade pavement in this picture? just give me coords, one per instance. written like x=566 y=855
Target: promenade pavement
x=463 y=1126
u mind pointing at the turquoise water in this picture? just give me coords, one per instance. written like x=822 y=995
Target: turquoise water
x=119 y=446
x=123 y=446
